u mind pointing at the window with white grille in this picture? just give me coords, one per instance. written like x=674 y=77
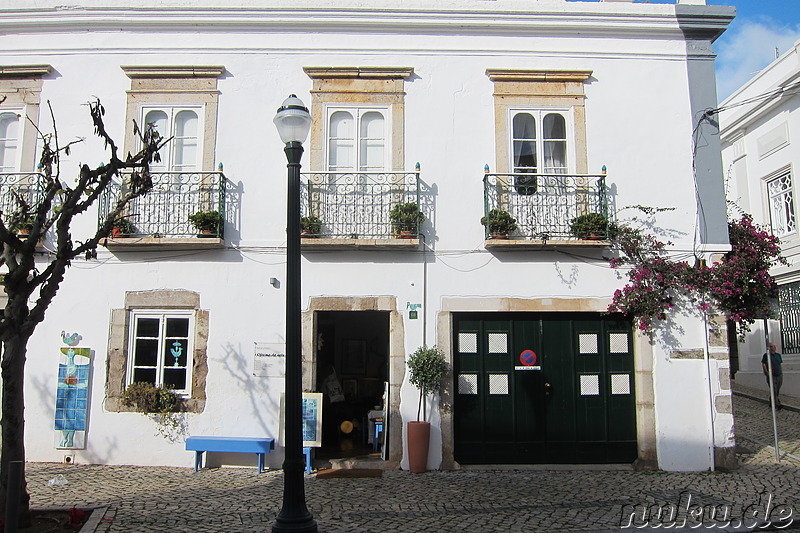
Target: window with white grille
x=468 y=383
x=498 y=343
x=498 y=383
x=587 y=343
x=590 y=385
x=620 y=384
x=468 y=343
x=618 y=342
x=782 y=212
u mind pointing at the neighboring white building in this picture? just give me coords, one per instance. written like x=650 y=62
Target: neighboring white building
x=759 y=127
x=606 y=93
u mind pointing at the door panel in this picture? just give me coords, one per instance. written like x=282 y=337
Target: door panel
x=543 y=388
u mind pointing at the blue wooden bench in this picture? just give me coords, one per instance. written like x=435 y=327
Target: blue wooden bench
x=258 y=445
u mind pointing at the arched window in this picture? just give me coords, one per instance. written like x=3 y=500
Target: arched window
x=183 y=125
x=525 y=160
x=9 y=142
x=186 y=135
x=340 y=141
x=539 y=146
x=357 y=140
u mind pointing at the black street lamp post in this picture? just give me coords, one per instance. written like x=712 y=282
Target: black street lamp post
x=293 y=122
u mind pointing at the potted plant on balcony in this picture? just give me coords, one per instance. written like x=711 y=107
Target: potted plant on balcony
x=122 y=228
x=208 y=223
x=23 y=229
x=591 y=226
x=310 y=226
x=500 y=223
x=406 y=219
x=426 y=368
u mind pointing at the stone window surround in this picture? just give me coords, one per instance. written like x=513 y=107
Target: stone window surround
x=397 y=351
x=353 y=86
x=189 y=85
x=21 y=86
x=118 y=342
x=539 y=89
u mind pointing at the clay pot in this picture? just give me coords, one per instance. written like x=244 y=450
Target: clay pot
x=419 y=437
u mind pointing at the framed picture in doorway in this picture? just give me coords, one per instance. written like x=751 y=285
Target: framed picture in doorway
x=350 y=387
x=354 y=356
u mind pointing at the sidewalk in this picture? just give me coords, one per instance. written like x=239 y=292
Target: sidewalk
x=521 y=500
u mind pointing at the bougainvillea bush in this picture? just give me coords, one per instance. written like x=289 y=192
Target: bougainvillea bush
x=738 y=286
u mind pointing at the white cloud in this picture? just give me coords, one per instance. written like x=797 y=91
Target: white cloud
x=748 y=49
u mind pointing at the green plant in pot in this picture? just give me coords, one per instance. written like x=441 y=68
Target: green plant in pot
x=589 y=226
x=427 y=368
x=162 y=405
x=25 y=225
x=208 y=223
x=122 y=227
x=310 y=226
x=406 y=219
x=499 y=223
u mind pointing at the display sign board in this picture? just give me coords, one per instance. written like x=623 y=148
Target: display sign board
x=269 y=359
x=312 y=419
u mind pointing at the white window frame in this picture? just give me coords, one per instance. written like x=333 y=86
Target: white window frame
x=358 y=112
x=161 y=362
x=787 y=227
x=20 y=112
x=538 y=114
x=167 y=163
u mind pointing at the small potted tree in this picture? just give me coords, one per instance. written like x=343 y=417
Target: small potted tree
x=208 y=223
x=426 y=368
x=499 y=223
x=406 y=219
x=310 y=226
x=592 y=226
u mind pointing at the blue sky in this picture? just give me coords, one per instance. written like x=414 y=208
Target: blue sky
x=749 y=44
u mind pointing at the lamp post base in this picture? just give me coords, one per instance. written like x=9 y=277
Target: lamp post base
x=299 y=525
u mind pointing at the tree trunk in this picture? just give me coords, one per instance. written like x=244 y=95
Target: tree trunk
x=13 y=421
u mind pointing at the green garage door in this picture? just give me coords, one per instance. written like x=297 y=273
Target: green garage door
x=543 y=388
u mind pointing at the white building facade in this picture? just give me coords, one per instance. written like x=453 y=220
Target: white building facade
x=758 y=124
x=548 y=109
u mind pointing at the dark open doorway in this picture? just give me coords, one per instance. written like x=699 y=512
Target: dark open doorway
x=352 y=372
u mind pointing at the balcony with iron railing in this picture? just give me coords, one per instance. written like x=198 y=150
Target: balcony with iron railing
x=545 y=206
x=20 y=188
x=352 y=209
x=161 y=217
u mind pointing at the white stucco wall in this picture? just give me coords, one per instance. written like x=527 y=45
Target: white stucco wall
x=764 y=108
x=639 y=122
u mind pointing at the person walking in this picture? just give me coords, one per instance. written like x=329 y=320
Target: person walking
x=777 y=372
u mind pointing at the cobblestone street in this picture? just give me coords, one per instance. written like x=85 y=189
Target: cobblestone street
x=526 y=500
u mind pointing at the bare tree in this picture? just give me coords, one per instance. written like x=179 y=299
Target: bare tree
x=31 y=290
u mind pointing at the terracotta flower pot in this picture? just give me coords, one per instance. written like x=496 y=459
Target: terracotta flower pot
x=419 y=437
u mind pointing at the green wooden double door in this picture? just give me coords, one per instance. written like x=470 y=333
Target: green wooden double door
x=545 y=388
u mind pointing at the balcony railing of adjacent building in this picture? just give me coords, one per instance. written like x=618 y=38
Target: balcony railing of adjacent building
x=544 y=205
x=164 y=211
x=20 y=187
x=356 y=205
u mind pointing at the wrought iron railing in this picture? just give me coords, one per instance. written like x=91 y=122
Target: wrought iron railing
x=789 y=299
x=165 y=210
x=16 y=187
x=544 y=205
x=356 y=205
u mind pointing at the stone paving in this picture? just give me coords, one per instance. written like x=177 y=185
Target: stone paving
x=143 y=499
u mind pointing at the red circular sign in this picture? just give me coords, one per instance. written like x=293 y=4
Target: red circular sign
x=528 y=358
